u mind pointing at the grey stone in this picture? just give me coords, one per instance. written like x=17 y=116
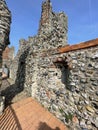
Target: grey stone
x=83 y=80
x=82 y=123
x=97 y=93
x=96 y=122
x=95 y=83
x=95 y=56
x=93 y=79
x=82 y=69
x=2 y=104
x=84 y=129
x=96 y=67
x=77 y=127
x=84 y=95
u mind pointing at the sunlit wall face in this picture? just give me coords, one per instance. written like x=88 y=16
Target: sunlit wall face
x=5 y=21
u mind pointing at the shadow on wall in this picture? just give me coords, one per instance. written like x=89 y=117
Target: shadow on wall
x=64 y=66
x=11 y=91
x=44 y=126
x=66 y=78
x=20 y=77
x=65 y=75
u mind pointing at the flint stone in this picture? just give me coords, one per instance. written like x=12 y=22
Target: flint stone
x=82 y=123
x=83 y=80
x=97 y=93
x=95 y=122
x=90 y=109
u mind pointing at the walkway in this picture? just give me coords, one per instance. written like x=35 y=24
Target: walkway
x=28 y=114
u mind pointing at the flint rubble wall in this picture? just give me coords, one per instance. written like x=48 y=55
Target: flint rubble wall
x=70 y=85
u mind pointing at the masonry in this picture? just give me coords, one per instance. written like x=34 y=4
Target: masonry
x=63 y=78
x=5 y=21
x=8 y=56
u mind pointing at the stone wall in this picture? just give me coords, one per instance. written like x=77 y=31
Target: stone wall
x=65 y=89
x=19 y=59
x=53 y=28
x=62 y=79
x=52 y=34
x=65 y=83
x=5 y=21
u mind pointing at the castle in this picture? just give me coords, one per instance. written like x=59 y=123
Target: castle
x=62 y=77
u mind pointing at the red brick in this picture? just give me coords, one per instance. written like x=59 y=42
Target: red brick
x=29 y=116
x=82 y=45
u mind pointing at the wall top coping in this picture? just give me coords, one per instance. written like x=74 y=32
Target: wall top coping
x=79 y=46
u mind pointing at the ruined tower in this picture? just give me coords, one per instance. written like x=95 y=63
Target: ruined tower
x=5 y=21
x=46 y=16
x=52 y=28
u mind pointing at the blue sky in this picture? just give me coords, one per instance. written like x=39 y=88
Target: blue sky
x=82 y=19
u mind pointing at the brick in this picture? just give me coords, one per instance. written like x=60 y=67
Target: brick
x=32 y=120
x=82 y=45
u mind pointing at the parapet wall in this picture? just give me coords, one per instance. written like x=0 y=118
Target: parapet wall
x=72 y=88
x=63 y=80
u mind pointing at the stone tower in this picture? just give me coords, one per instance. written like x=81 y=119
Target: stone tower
x=52 y=28
x=46 y=15
x=5 y=21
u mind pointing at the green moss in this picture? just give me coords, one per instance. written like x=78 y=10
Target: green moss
x=61 y=110
x=68 y=117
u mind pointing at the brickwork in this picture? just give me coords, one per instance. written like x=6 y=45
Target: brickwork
x=79 y=46
x=8 y=53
